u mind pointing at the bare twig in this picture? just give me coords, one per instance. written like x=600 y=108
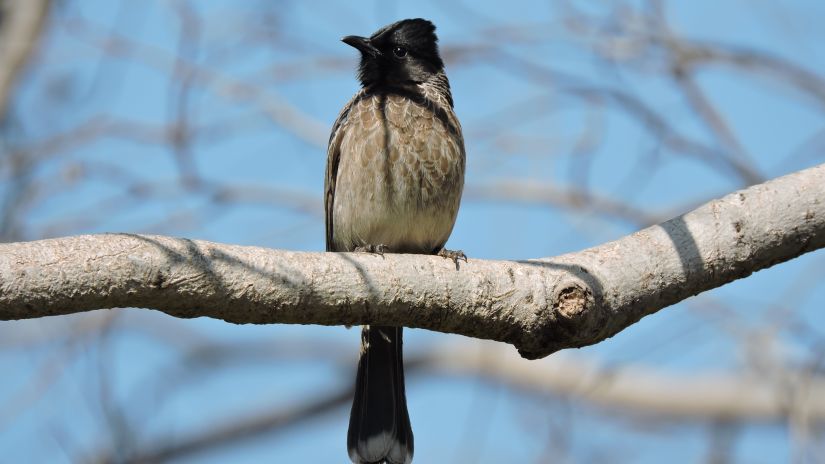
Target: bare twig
x=276 y=107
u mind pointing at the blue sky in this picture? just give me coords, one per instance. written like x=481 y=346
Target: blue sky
x=453 y=417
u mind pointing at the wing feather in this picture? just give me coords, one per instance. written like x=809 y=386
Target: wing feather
x=333 y=158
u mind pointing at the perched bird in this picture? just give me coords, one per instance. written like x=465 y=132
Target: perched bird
x=395 y=172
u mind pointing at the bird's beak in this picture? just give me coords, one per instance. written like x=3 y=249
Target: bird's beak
x=363 y=44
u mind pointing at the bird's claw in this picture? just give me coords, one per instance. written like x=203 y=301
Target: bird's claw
x=379 y=249
x=455 y=255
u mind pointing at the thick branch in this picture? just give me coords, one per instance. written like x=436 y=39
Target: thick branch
x=540 y=306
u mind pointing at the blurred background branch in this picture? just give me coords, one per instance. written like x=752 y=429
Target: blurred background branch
x=21 y=24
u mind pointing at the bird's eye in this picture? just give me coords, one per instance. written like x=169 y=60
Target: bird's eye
x=400 y=52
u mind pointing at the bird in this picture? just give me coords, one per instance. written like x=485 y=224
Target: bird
x=393 y=183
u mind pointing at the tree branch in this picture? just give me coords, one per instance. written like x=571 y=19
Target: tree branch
x=540 y=306
x=694 y=396
x=21 y=23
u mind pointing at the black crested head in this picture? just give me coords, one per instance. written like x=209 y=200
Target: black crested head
x=405 y=52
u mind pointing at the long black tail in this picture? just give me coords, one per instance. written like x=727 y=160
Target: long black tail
x=379 y=426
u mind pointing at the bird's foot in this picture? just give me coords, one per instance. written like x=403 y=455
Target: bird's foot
x=379 y=249
x=455 y=255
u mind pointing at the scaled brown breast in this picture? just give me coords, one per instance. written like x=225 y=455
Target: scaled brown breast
x=395 y=172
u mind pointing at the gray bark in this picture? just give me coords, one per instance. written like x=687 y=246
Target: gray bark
x=540 y=306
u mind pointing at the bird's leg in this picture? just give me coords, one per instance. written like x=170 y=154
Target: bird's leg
x=379 y=249
x=455 y=255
